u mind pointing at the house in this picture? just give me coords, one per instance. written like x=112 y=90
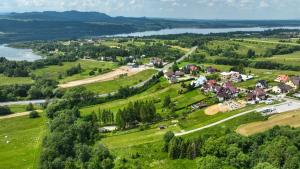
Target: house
x=158 y=62
x=257 y=95
x=173 y=79
x=232 y=89
x=294 y=82
x=223 y=94
x=179 y=74
x=246 y=77
x=211 y=70
x=199 y=82
x=263 y=84
x=231 y=76
x=169 y=74
x=282 y=78
x=282 y=88
x=191 y=69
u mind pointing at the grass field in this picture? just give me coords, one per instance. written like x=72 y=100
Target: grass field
x=24 y=136
x=87 y=66
x=285 y=119
x=289 y=59
x=114 y=85
x=21 y=108
x=150 y=148
x=14 y=80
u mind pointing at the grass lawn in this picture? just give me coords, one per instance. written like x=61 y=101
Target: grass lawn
x=14 y=80
x=21 y=108
x=87 y=66
x=114 y=85
x=25 y=136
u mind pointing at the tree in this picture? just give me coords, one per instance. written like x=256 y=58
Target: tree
x=209 y=162
x=175 y=67
x=264 y=165
x=167 y=101
x=167 y=138
x=34 y=114
x=4 y=110
x=250 y=53
x=29 y=107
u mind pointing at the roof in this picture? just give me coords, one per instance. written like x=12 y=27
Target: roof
x=169 y=74
x=295 y=80
x=179 y=73
x=282 y=78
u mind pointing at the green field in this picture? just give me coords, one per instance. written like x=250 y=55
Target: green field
x=114 y=85
x=149 y=145
x=21 y=108
x=14 y=80
x=87 y=66
x=24 y=136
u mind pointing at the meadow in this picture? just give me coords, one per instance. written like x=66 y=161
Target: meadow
x=14 y=80
x=114 y=85
x=87 y=66
x=20 y=142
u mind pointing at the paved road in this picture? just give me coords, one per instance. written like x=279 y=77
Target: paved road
x=22 y=102
x=192 y=50
x=289 y=105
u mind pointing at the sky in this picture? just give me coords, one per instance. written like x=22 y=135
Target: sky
x=187 y=9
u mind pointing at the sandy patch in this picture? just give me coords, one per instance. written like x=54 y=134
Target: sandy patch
x=290 y=118
x=215 y=109
x=129 y=71
x=224 y=107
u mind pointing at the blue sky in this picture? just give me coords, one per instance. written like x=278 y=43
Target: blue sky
x=196 y=9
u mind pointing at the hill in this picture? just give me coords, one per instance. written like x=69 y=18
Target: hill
x=50 y=25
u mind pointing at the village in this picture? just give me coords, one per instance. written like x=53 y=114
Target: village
x=223 y=86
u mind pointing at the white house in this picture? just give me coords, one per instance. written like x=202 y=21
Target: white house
x=199 y=82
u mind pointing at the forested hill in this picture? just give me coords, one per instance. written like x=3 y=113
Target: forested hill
x=74 y=24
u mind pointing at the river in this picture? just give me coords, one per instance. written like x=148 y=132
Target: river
x=18 y=54
x=197 y=31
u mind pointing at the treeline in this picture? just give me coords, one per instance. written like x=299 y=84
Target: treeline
x=281 y=50
x=135 y=113
x=276 y=148
x=24 y=68
x=74 y=70
x=42 y=88
x=256 y=64
x=71 y=141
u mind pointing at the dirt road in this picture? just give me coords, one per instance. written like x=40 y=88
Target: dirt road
x=17 y=115
x=105 y=77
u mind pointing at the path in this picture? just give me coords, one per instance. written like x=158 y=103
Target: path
x=289 y=105
x=105 y=77
x=192 y=50
x=14 y=115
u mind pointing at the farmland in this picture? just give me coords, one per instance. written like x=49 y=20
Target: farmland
x=285 y=119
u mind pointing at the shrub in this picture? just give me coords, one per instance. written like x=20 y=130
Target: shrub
x=34 y=114
x=4 y=110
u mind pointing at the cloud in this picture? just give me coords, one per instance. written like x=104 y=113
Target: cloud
x=203 y=9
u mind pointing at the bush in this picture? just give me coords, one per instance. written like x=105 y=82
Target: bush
x=29 y=107
x=4 y=110
x=34 y=114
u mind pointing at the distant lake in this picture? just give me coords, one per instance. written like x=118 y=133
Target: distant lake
x=197 y=31
x=18 y=54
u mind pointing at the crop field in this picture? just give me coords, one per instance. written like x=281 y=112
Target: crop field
x=87 y=66
x=285 y=119
x=114 y=85
x=20 y=142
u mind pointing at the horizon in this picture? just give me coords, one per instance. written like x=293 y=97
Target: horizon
x=185 y=19
x=176 y=9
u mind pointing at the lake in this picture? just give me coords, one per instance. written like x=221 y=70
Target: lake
x=18 y=54
x=197 y=31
